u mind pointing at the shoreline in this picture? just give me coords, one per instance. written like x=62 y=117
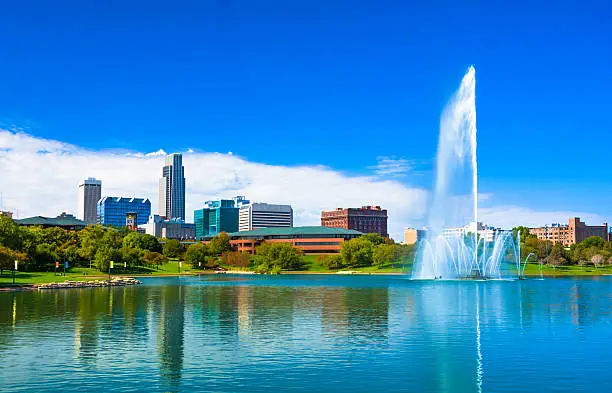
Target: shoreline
x=8 y=287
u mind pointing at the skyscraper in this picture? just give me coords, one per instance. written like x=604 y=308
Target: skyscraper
x=172 y=188
x=90 y=192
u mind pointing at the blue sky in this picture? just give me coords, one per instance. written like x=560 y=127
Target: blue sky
x=333 y=83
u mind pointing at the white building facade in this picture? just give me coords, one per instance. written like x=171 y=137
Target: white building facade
x=169 y=229
x=264 y=215
x=90 y=192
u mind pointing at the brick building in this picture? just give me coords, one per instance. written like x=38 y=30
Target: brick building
x=574 y=232
x=367 y=219
x=309 y=240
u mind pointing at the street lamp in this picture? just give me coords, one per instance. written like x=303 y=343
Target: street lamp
x=110 y=266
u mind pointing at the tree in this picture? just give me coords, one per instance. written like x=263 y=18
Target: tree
x=197 y=254
x=597 y=260
x=90 y=238
x=142 y=242
x=279 y=255
x=172 y=248
x=150 y=243
x=524 y=233
x=236 y=259
x=384 y=254
x=557 y=255
x=131 y=256
x=332 y=262
x=593 y=242
x=220 y=244
x=11 y=234
x=104 y=255
x=357 y=252
x=8 y=258
x=153 y=258
x=375 y=238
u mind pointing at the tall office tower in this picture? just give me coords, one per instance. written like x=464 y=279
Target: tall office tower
x=172 y=188
x=90 y=192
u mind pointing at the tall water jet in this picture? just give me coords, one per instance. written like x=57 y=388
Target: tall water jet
x=447 y=253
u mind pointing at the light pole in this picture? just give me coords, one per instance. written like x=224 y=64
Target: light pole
x=110 y=266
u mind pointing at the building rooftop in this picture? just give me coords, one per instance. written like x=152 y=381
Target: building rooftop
x=297 y=231
x=63 y=220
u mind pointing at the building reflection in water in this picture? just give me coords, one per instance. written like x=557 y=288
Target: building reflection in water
x=170 y=335
x=454 y=335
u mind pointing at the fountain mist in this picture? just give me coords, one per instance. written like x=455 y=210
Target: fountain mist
x=444 y=254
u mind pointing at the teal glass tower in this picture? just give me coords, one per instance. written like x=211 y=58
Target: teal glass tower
x=218 y=216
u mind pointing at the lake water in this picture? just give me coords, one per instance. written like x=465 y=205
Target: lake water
x=310 y=334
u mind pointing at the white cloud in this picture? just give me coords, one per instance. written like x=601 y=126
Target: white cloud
x=40 y=177
x=394 y=167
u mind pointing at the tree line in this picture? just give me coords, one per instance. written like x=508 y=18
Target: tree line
x=591 y=251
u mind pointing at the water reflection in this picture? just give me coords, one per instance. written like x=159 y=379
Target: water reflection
x=348 y=334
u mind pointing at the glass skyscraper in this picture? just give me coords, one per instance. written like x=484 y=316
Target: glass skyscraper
x=113 y=211
x=172 y=188
x=218 y=216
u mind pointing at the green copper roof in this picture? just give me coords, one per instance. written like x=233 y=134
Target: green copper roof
x=297 y=231
x=61 y=221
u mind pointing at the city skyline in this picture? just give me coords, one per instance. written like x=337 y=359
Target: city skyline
x=308 y=189
x=317 y=117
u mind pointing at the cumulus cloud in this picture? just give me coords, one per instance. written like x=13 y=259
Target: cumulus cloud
x=40 y=177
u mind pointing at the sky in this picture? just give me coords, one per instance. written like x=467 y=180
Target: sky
x=317 y=103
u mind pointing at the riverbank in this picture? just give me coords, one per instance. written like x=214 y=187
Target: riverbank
x=23 y=280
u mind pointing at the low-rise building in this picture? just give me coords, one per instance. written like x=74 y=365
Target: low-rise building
x=169 y=229
x=486 y=232
x=310 y=240
x=64 y=221
x=574 y=232
x=367 y=219
x=413 y=236
x=6 y=213
x=264 y=215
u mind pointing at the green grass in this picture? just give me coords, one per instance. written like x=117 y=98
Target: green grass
x=74 y=274
x=87 y=274
x=533 y=269
x=312 y=266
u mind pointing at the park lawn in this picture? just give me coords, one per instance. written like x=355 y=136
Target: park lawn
x=533 y=269
x=312 y=266
x=74 y=274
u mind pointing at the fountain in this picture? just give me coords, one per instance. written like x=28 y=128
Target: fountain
x=451 y=253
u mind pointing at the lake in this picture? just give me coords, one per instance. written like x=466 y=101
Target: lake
x=310 y=333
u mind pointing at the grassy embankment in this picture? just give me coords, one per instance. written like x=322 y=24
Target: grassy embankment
x=87 y=274
x=312 y=266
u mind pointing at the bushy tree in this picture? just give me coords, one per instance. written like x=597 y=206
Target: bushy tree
x=197 y=254
x=131 y=255
x=279 y=255
x=236 y=259
x=557 y=255
x=220 y=244
x=333 y=262
x=154 y=258
x=357 y=252
x=384 y=254
x=173 y=248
